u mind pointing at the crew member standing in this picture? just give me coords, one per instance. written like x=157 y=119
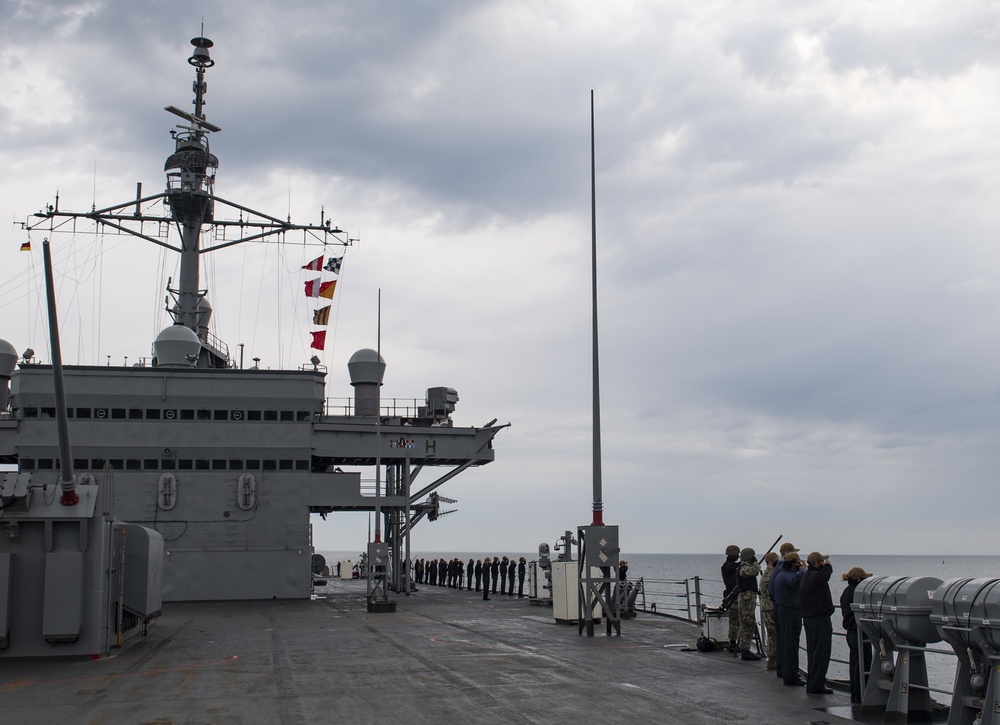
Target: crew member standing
x=786 y=548
x=486 y=579
x=817 y=608
x=729 y=568
x=767 y=608
x=853 y=578
x=746 y=585
x=495 y=572
x=469 y=570
x=503 y=575
x=479 y=573
x=786 y=591
x=521 y=567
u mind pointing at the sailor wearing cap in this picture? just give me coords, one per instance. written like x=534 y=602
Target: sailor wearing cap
x=817 y=608
x=767 y=608
x=853 y=577
x=786 y=548
x=786 y=584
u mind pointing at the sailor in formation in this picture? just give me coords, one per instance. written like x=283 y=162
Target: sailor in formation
x=746 y=602
x=729 y=569
x=767 y=609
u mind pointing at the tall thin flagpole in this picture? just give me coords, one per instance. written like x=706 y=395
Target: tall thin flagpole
x=598 y=495
x=378 y=427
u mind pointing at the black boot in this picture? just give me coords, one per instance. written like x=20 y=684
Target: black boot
x=748 y=655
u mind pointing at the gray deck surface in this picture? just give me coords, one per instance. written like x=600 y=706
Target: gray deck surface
x=443 y=657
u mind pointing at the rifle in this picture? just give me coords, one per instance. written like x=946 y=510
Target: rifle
x=733 y=594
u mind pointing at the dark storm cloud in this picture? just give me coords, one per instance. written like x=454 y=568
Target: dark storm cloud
x=796 y=222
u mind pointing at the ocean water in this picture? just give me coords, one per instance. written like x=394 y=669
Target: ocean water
x=667 y=577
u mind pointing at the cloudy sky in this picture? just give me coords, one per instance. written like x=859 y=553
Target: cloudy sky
x=797 y=225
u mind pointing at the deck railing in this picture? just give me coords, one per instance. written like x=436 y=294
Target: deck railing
x=687 y=598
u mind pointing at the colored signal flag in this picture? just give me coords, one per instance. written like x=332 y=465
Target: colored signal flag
x=322 y=316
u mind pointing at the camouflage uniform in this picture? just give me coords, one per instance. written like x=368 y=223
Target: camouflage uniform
x=729 y=573
x=747 y=605
x=767 y=614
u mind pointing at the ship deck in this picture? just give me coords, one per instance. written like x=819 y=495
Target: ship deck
x=444 y=656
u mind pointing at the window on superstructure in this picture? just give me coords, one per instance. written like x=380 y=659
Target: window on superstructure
x=116 y=464
x=151 y=464
x=185 y=464
x=253 y=415
x=96 y=464
x=304 y=416
x=270 y=465
x=26 y=464
x=285 y=464
x=69 y=412
x=253 y=465
x=287 y=415
x=270 y=415
x=133 y=464
x=152 y=413
x=44 y=464
x=48 y=413
x=117 y=413
x=83 y=412
x=236 y=415
x=235 y=464
x=80 y=463
x=221 y=415
x=201 y=464
x=30 y=412
x=135 y=413
x=168 y=464
x=204 y=414
x=187 y=415
x=218 y=464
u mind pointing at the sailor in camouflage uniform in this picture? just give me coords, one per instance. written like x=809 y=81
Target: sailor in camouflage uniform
x=767 y=609
x=746 y=584
x=729 y=568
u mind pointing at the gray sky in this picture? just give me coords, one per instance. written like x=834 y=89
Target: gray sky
x=796 y=227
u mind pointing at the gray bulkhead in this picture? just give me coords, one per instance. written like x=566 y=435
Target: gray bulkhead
x=225 y=464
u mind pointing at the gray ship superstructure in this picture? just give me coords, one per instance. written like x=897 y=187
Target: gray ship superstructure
x=227 y=464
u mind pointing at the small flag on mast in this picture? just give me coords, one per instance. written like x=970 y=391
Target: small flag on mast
x=318 y=339
x=312 y=288
x=322 y=316
x=333 y=264
x=26 y=247
x=315 y=265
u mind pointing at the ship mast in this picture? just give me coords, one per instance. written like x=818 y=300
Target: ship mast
x=191 y=199
x=190 y=185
